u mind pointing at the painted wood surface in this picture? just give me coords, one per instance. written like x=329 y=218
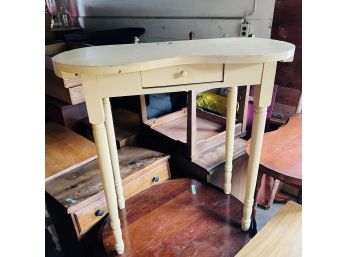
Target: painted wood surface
x=180 y=217
x=280 y=237
x=105 y=73
x=65 y=150
x=262 y=99
x=110 y=131
x=115 y=59
x=183 y=74
x=231 y=110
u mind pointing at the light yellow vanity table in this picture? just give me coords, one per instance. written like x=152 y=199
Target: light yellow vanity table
x=139 y=69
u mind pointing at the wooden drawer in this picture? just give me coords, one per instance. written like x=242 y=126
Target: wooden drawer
x=90 y=215
x=147 y=180
x=71 y=80
x=181 y=75
x=87 y=217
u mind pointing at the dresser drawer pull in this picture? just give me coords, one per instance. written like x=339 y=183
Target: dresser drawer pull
x=183 y=74
x=99 y=212
x=155 y=179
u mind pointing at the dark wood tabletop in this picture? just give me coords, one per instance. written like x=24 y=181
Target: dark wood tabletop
x=180 y=217
x=281 y=155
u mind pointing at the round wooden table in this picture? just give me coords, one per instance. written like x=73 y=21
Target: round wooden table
x=281 y=156
x=179 y=217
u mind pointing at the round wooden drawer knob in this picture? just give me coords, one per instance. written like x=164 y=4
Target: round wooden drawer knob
x=183 y=73
x=155 y=179
x=99 y=212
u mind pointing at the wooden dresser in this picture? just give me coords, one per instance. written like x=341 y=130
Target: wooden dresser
x=74 y=191
x=80 y=191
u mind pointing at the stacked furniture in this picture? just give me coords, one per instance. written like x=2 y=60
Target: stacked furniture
x=175 y=67
x=195 y=138
x=68 y=89
x=127 y=127
x=74 y=191
x=65 y=101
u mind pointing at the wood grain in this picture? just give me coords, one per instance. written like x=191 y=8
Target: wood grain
x=54 y=87
x=216 y=157
x=211 y=116
x=126 y=124
x=65 y=150
x=238 y=177
x=167 y=118
x=177 y=129
x=280 y=237
x=281 y=155
x=145 y=181
x=65 y=114
x=84 y=186
x=143 y=110
x=191 y=127
x=86 y=218
x=171 y=220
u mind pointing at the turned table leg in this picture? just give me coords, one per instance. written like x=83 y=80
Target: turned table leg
x=262 y=99
x=101 y=141
x=232 y=93
x=256 y=193
x=253 y=163
x=113 y=152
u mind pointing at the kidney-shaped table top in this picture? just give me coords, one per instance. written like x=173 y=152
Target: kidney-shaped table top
x=115 y=59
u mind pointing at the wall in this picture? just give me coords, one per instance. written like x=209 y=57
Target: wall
x=173 y=20
x=287 y=26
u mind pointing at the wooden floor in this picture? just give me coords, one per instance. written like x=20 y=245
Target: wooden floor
x=180 y=217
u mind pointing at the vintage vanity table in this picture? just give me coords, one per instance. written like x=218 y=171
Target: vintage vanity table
x=123 y=70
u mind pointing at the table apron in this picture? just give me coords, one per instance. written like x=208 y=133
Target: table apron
x=97 y=87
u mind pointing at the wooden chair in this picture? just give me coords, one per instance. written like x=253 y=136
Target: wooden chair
x=281 y=156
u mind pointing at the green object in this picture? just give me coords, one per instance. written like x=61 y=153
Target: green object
x=213 y=102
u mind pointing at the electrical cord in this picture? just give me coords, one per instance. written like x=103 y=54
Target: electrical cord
x=249 y=14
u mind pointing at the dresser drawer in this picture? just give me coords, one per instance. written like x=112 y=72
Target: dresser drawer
x=154 y=176
x=87 y=217
x=71 y=80
x=182 y=74
x=90 y=215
